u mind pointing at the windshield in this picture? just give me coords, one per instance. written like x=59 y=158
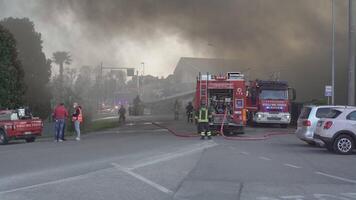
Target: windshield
x=274 y=94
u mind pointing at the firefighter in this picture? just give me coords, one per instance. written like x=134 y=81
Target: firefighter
x=122 y=113
x=189 y=112
x=203 y=116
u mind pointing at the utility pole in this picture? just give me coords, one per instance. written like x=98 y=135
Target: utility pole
x=333 y=52
x=143 y=77
x=352 y=52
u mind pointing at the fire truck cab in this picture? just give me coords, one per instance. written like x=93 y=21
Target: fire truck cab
x=225 y=97
x=269 y=102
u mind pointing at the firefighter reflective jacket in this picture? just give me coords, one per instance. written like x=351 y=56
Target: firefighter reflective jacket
x=78 y=115
x=203 y=115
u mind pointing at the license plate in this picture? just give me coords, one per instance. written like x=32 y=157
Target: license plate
x=28 y=133
x=273 y=118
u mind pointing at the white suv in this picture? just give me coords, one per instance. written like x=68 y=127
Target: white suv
x=308 y=119
x=338 y=130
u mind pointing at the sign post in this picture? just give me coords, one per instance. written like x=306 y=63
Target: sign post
x=328 y=92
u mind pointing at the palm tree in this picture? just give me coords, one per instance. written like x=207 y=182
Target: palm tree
x=61 y=58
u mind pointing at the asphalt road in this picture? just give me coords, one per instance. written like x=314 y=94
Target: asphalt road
x=143 y=161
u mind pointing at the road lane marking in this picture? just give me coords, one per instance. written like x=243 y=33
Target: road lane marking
x=170 y=156
x=336 y=177
x=264 y=158
x=244 y=153
x=349 y=194
x=293 y=166
x=130 y=124
x=72 y=178
x=328 y=196
x=293 y=197
x=143 y=179
x=147 y=123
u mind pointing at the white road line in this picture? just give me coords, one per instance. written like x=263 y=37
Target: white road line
x=147 y=123
x=171 y=156
x=337 y=177
x=293 y=166
x=130 y=124
x=143 y=179
x=73 y=178
x=244 y=153
x=264 y=158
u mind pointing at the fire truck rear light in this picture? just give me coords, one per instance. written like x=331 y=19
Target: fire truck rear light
x=306 y=123
x=328 y=124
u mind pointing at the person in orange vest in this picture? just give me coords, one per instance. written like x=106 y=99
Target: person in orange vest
x=77 y=119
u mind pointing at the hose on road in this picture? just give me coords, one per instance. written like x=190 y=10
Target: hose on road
x=263 y=137
x=186 y=135
x=239 y=138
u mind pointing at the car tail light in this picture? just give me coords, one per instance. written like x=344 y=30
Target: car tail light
x=306 y=123
x=328 y=124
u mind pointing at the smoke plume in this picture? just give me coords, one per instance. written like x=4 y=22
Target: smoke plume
x=292 y=37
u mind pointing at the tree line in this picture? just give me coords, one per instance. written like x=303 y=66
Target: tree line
x=25 y=72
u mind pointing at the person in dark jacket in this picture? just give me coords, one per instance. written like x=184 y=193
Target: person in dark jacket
x=122 y=114
x=189 y=111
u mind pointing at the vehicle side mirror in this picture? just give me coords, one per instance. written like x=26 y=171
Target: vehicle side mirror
x=292 y=94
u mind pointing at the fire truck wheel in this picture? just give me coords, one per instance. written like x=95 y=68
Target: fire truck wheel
x=3 y=138
x=29 y=140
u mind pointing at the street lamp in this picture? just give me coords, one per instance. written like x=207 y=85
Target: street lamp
x=333 y=52
x=352 y=49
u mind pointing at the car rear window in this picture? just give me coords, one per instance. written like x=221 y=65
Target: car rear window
x=322 y=112
x=304 y=114
x=333 y=114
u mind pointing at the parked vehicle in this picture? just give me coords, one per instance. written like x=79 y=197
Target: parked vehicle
x=308 y=119
x=19 y=125
x=338 y=130
x=269 y=102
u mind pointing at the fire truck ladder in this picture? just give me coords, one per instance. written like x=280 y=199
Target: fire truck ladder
x=204 y=96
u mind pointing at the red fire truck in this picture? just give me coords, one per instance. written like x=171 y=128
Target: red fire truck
x=17 y=124
x=269 y=102
x=225 y=96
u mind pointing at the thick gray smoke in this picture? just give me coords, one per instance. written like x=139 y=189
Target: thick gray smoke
x=292 y=37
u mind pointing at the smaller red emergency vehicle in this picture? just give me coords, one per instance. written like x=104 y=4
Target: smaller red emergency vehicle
x=19 y=125
x=225 y=97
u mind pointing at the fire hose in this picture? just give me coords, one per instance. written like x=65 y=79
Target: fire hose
x=240 y=138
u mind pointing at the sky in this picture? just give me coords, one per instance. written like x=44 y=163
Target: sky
x=292 y=37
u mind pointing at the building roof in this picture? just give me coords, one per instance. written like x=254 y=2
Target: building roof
x=188 y=68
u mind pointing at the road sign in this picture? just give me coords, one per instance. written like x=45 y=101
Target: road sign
x=328 y=90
